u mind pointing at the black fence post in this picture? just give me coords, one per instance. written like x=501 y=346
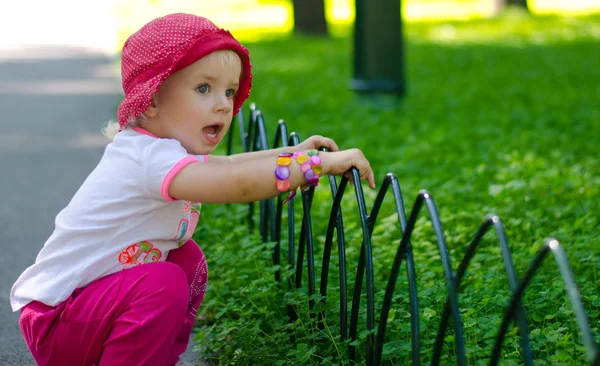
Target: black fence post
x=378 y=49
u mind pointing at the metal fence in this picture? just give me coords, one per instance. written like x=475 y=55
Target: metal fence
x=253 y=137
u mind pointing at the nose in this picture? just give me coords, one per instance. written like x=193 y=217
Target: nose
x=222 y=104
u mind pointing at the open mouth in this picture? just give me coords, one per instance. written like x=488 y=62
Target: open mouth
x=213 y=132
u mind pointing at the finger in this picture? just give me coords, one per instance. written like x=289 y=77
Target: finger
x=327 y=143
x=332 y=145
x=371 y=180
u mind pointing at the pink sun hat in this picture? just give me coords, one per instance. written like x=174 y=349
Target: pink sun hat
x=166 y=45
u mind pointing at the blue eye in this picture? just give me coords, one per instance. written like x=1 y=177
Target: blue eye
x=230 y=93
x=203 y=89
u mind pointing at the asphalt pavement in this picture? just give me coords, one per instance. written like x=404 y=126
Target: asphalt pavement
x=53 y=103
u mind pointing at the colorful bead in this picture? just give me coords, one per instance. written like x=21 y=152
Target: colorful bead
x=309 y=175
x=284 y=160
x=301 y=159
x=282 y=172
x=313 y=152
x=317 y=169
x=282 y=185
x=315 y=160
x=304 y=167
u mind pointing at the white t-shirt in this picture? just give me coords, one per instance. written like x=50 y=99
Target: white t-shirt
x=122 y=216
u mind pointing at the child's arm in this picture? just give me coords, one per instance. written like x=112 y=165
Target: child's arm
x=314 y=142
x=223 y=181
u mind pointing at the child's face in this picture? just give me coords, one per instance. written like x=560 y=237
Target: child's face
x=195 y=104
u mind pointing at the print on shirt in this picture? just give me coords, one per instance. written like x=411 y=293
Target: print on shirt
x=191 y=225
x=181 y=229
x=136 y=254
x=194 y=217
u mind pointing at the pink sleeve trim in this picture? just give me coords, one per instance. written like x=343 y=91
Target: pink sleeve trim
x=164 y=189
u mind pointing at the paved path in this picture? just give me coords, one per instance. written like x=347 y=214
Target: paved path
x=53 y=102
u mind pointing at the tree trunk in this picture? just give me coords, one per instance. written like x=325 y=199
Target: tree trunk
x=500 y=5
x=521 y=3
x=309 y=17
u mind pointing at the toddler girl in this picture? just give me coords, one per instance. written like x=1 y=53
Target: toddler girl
x=120 y=280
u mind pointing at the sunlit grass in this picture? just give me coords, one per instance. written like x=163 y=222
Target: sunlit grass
x=516 y=28
x=580 y=7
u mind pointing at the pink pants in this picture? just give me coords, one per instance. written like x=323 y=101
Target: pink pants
x=140 y=316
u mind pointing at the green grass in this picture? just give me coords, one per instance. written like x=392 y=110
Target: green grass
x=501 y=116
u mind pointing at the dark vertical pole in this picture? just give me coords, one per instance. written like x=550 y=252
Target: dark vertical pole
x=378 y=49
x=309 y=17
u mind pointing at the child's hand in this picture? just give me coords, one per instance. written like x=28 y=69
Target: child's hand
x=317 y=142
x=338 y=163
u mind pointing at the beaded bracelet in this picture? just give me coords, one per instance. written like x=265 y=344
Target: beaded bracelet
x=310 y=166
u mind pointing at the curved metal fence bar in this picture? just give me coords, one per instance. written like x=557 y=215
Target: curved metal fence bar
x=308 y=240
x=404 y=251
x=425 y=197
x=513 y=282
x=593 y=349
x=301 y=248
x=254 y=138
x=281 y=140
x=293 y=139
x=247 y=145
x=365 y=261
x=554 y=247
x=489 y=222
x=335 y=223
x=267 y=207
x=252 y=121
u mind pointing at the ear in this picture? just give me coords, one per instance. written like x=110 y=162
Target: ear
x=152 y=109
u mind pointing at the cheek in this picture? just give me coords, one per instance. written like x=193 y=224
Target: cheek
x=200 y=105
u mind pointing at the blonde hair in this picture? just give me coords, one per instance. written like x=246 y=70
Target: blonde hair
x=229 y=60
x=112 y=127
